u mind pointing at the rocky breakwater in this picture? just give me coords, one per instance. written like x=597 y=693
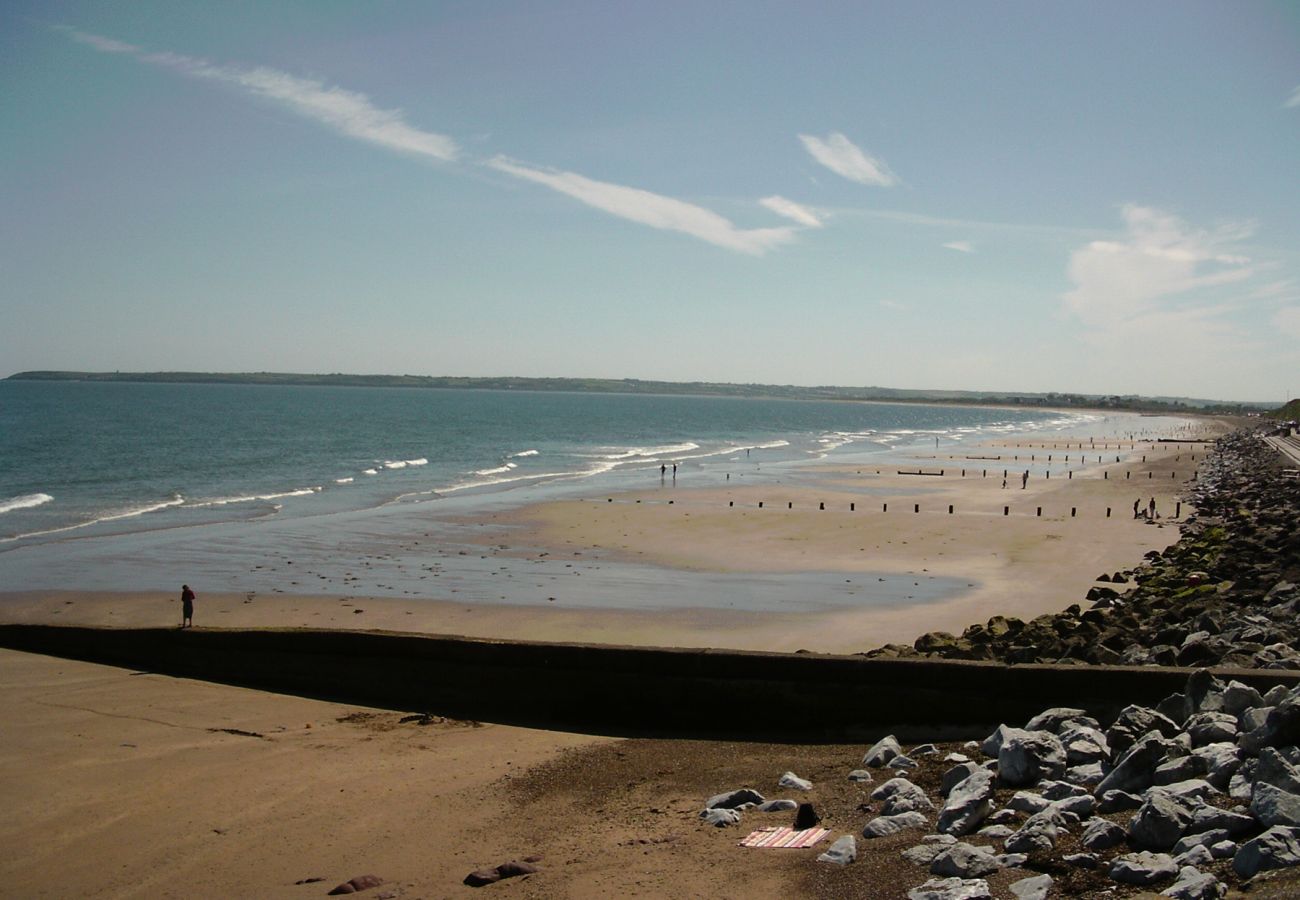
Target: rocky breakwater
x=1227 y=593
x=1189 y=799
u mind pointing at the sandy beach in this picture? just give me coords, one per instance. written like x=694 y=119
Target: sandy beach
x=962 y=566
x=125 y=784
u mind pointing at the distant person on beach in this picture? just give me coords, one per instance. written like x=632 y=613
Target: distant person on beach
x=1151 y=508
x=187 y=606
x=663 y=470
x=1024 y=480
x=1004 y=484
x=674 y=471
x=1137 y=507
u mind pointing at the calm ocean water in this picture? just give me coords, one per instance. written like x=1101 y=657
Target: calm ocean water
x=87 y=459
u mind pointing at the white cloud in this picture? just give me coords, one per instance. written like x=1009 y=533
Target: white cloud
x=890 y=303
x=1294 y=99
x=1158 y=263
x=353 y=114
x=648 y=208
x=844 y=158
x=791 y=210
x=962 y=246
x=104 y=44
x=347 y=112
x=1160 y=291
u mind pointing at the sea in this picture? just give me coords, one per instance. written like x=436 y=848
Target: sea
x=124 y=486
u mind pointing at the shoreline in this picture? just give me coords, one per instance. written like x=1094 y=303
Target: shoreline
x=591 y=569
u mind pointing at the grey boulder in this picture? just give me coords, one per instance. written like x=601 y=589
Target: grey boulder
x=951 y=889
x=964 y=861
x=1193 y=884
x=1143 y=868
x=956 y=775
x=1159 y=822
x=1211 y=728
x=968 y=804
x=732 y=799
x=1135 y=770
x=794 y=782
x=842 y=852
x=1035 y=888
x=1057 y=717
x=1273 y=806
x=1027 y=757
x=900 y=796
x=883 y=826
x=720 y=818
x=1277 y=848
x=881 y=752
x=1101 y=834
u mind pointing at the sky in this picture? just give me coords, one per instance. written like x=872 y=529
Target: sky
x=1094 y=198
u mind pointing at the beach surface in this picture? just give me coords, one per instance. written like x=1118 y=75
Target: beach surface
x=132 y=784
x=837 y=559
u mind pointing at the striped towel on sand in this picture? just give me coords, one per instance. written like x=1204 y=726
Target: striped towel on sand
x=784 y=837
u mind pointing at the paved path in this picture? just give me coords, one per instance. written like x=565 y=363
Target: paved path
x=1287 y=446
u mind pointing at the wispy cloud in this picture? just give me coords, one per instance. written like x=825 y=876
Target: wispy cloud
x=1294 y=99
x=353 y=114
x=846 y=159
x=101 y=43
x=1162 y=285
x=347 y=112
x=647 y=208
x=1159 y=260
x=791 y=210
x=962 y=246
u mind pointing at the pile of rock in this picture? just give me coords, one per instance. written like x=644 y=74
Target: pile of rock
x=1226 y=594
x=1186 y=798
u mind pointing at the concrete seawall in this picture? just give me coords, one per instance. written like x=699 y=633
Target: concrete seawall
x=627 y=690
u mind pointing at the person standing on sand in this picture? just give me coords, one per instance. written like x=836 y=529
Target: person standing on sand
x=187 y=606
x=1137 y=507
x=1151 y=509
x=1024 y=480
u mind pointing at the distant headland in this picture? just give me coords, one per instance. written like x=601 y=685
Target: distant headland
x=1130 y=402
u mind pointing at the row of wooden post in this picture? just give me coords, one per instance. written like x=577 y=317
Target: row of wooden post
x=916 y=508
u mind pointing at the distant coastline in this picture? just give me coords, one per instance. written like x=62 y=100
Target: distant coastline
x=682 y=388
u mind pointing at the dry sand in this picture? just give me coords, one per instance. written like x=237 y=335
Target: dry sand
x=122 y=784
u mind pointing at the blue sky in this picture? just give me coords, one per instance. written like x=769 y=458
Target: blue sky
x=1100 y=198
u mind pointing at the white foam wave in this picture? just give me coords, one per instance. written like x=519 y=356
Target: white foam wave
x=395 y=464
x=252 y=498
x=370 y=472
x=342 y=480
x=497 y=471
x=632 y=452
x=522 y=453
x=176 y=500
x=422 y=461
x=24 y=501
x=490 y=481
x=128 y=513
